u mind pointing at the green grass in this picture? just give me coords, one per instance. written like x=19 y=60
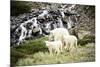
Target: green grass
x=35 y=52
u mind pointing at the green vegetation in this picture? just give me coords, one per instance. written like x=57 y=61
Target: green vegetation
x=35 y=52
x=86 y=39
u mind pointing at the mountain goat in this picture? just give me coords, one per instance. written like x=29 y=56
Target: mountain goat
x=55 y=46
x=58 y=34
x=70 y=42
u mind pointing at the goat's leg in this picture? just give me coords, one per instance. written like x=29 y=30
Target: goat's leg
x=50 y=51
x=58 y=51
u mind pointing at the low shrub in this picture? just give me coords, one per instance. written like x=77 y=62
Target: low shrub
x=86 y=39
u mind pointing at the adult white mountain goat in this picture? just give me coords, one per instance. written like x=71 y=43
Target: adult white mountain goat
x=58 y=34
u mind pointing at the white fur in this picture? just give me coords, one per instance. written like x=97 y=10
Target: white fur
x=58 y=34
x=61 y=34
x=54 y=45
x=70 y=42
